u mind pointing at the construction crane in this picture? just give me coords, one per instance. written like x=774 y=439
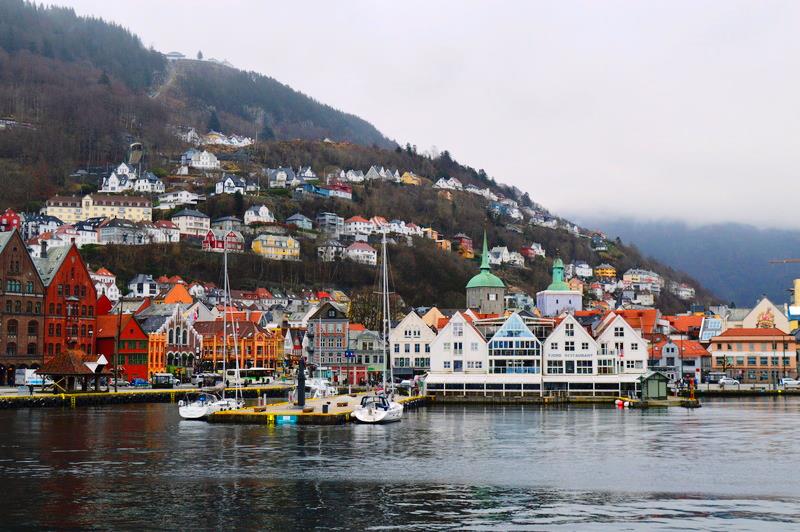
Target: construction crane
x=784 y=261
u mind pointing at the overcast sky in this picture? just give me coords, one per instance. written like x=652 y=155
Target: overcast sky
x=653 y=109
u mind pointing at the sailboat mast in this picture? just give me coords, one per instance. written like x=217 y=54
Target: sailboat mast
x=385 y=310
x=224 y=317
x=233 y=326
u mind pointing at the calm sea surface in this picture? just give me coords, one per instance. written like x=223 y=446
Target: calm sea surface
x=729 y=465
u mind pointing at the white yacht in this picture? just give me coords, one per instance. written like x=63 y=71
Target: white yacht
x=380 y=407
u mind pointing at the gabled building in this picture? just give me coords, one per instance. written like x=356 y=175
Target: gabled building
x=558 y=297
x=131 y=359
x=619 y=341
x=69 y=302
x=276 y=247
x=300 y=221
x=571 y=350
x=331 y=251
x=357 y=225
x=464 y=246
x=218 y=240
x=514 y=348
x=21 y=305
x=142 y=286
x=459 y=347
x=328 y=331
x=258 y=214
x=410 y=346
x=362 y=253
x=231 y=184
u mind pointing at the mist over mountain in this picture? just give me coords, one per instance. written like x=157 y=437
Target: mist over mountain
x=730 y=259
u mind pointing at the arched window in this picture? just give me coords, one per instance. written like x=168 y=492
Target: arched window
x=33 y=328
x=18 y=306
x=59 y=310
x=52 y=309
x=184 y=338
x=77 y=290
x=58 y=329
x=58 y=349
x=12 y=327
x=83 y=330
x=51 y=329
x=29 y=287
x=38 y=308
x=83 y=310
x=31 y=349
x=11 y=348
x=171 y=336
x=91 y=311
x=29 y=307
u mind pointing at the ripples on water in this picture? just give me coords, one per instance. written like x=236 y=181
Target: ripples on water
x=727 y=465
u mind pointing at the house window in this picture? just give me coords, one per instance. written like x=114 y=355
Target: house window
x=458 y=330
x=584 y=346
x=634 y=347
x=569 y=346
x=446 y=364
x=619 y=332
x=474 y=346
x=427 y=348
x=458 y=348
x=554 y=346
x=555 y=367
x=584 y=367
x=569 y=330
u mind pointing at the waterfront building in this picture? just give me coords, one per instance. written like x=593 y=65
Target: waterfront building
x=72 y=209
x=514 y=348
x=459 y=347
x=21 y=304
x=257 y=346
x=410 y=346
x=328 y=331
x=621 y=346
x=679 y=358
x=755 y=355
x=131 y=361
x=69 y=302
x=485 y=291
x=571 y=350
x=558 y=297
x=172 y=342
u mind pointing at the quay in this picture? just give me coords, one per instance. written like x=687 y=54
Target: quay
x=567 y=400
x=168 y=395
x=335 y=410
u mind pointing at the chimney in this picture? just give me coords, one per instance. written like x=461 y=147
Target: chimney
x=43 y=252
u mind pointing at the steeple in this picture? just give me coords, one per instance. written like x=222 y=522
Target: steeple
x=558 y=276
x=485 y=256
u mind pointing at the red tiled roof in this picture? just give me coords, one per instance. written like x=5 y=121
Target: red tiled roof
x=686 y=348
x=742 y=332
x=103 y=271
x=358 y=219
x=357 y=327
x=642 y=319
x=682 y=324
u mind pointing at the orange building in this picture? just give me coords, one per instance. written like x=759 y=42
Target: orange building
x=755 y=355
x=257 y=346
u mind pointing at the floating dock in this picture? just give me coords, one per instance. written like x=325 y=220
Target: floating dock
x=328 y=411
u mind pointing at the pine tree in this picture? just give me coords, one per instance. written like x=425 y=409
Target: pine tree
x=213 y=122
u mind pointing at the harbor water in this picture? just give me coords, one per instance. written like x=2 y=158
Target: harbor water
x=728 y=465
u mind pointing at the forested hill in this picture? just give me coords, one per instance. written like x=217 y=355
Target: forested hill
x=81 y=89
x=254 y=104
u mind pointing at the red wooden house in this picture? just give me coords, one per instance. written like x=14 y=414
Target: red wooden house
x=133 y=345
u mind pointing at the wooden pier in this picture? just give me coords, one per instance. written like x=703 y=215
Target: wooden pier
x=328 y=411
x=168 y=395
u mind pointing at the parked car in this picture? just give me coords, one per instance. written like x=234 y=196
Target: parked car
x=139 y=382
x=728 y=381
x=788 y=382
x=119 y=382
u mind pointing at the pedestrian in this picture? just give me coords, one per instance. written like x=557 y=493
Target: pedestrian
x=30 y=388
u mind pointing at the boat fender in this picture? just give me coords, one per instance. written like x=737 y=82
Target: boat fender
x=181 y=403
x=627 y=404
x=618 y=402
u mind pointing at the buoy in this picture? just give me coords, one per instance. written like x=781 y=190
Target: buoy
x=627 y=404
x=618 y=402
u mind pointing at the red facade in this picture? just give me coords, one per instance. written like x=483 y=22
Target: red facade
x=133 y=345
x=9 y=220
x=70 y=302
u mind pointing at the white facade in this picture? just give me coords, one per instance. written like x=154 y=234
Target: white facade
x=459 y=348
x=619 y=341
x=410 y=345
x=583 y=270
x=192 y=223
x=362 y=253
x=204 y=160
x=358 y=226
x=258 y=214
x=231 y=185
x=177 y=198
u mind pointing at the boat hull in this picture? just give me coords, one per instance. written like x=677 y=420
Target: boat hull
x=379 y=416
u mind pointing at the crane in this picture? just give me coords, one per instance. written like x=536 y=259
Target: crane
x=784 y=261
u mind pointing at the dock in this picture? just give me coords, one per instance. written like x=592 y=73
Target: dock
x=335 y=410
x=163 y=395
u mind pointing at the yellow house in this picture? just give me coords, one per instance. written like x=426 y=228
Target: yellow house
x=430 y=232
x=605 y=270
x=444 y=244
x=71 y=209
x=410 y=178
x=276 y=247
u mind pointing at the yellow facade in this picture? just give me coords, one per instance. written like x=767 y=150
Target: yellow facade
x=410 y=178
x=71 y=209
x=277 y=247
x=262 y=349
x=444 y=244
x=607 y=271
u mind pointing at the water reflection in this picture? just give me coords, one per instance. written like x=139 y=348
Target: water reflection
x=729 y=464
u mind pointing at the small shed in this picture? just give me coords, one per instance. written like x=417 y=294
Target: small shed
x=74 y=370
x=654 y=386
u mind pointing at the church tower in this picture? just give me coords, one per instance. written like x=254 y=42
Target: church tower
x=486 y=292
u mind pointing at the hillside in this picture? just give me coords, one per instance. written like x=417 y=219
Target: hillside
x=75 y=92
x=731 y=260
x=257 y=105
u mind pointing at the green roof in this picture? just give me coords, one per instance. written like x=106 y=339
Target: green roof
x=485 y=279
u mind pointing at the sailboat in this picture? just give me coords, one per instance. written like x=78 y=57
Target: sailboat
x=380 y=407
x=208 y=402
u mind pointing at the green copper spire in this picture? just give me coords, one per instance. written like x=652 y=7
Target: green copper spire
x=485 y=256
x=558 y=276
x=485 y=279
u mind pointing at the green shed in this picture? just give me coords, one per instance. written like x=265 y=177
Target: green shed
x=654 y=386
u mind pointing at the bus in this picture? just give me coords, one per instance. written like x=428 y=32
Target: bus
x=249 y=377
